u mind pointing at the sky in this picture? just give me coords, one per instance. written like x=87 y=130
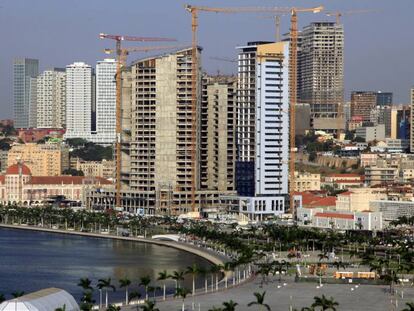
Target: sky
x=379 y=46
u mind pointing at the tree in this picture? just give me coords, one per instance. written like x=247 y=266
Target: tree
x=193 y=270
x=63 y=308
x=17 y=294
x=177 y=276
x=85 y=283
x=163 y=276
x=312 y=156
x=113 y=308
x=325 y=303
x=105 y=284
x=409 y=306
x=259 y=301
x=2 y=298
x=149 y=306
x=182 y=293
x=134 y=295
x=125 y=283
x=87 y=301
x=229 y=305
x=145 y=282
x=73 y=172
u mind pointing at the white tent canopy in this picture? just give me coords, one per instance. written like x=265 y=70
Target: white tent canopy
x=48 y=299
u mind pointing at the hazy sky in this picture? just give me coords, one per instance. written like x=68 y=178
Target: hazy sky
x=379 y=47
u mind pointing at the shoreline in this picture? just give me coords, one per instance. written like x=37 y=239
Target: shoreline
x=210 y=256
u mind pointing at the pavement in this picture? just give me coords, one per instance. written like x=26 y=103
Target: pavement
x=288 y=295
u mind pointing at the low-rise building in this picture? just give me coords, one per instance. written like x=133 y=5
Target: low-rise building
x=375 y=175
x=104 y=168
x=33 y=135
x=358 y=199
x=305 y=181
x=344 y=181
x=368 y=159
x=42 y=159
x=340 y=220
x=371 y=133
x=19 y=186
x=392 y=210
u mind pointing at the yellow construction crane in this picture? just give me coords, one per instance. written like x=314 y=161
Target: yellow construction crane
x=277 y=19
x=118 y=49
x=293 y=11
x=338 y=14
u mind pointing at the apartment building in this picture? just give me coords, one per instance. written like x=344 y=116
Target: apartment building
x=51 y=99
x=305 y=181
x=362 y=103
x=263 y=129
x=42 y=159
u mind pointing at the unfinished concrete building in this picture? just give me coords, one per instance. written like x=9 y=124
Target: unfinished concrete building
x=218 y=133
x=321 y=68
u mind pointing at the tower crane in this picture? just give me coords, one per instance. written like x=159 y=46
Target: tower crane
x=118 y=39
x=293 y=11
x=277 y=19
x=338 y=14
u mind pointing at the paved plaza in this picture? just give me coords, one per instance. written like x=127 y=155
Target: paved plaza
x=292 y=295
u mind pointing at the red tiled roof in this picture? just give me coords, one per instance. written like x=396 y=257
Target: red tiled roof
x=327 y=201
x=66 y=180
x=334 y=215
x=345 y=175
x=2 y=178
x=14 y=169
x=341 y=181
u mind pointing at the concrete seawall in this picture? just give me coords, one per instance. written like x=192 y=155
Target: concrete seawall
x=208 y=255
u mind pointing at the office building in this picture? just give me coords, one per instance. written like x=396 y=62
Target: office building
x=79 y=92
x=51 y=99
x=106 y=100
x=24 y=70
x=384 y=98
x=263 y=128
x=321 y=68
x=33 y=102
x=371 y=133
x=362 y=103
x=412 y=120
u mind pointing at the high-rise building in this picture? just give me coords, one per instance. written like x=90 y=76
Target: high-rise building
x=362 y=103
x=218 y=133
x=321 y=68
x=33 y=102
x=79 y=94
x=24 y=69
x=412 y=121
x=263 y=128
x=51 y=99
x=384 y=98
x=106 y=100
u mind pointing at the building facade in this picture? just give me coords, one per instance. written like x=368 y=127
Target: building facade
x=24 y=70
x=79 y=93
x=42 y=159
x=362 y=103
x=305 y=181
x=263 y=128
x=51 y=99
x=321 y=68
x=106 y=100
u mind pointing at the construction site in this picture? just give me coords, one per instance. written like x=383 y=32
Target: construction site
x=190 y=142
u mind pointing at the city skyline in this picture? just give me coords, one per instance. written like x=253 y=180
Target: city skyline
x=364 y=58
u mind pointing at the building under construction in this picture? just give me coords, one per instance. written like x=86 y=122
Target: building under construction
x=321 y=68
x=157 y=169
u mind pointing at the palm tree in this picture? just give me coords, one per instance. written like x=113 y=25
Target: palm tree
x=229 y=305
x=133 y=295
x=325 y=303
x=85 y=283
x=177 y=277
x=125 y=282
x=17 y=294
x=193 y=270
x=105 y=284
x=259 y=301
x=113 y=308
x=149 y=306
x=410 y=306
x=182 y=292
x=2 y=298
x=163 y=276
x=61 y=308
x=87 y=301
x=145 y=282
x=322 y=256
